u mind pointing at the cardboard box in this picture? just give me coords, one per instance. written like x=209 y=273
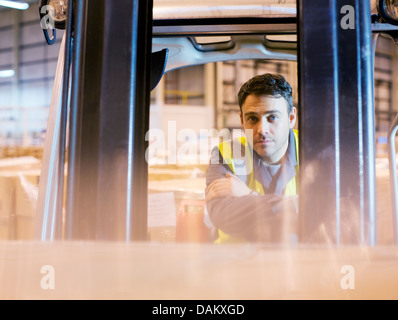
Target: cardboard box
x=26 y=196
x=7 y=195
x=18 y=200
x=18 y=164
x=4 y=229
x=161 y=227
x=26 y=193
x=7 y=205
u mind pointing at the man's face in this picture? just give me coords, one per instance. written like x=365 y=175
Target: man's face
x=268 y=117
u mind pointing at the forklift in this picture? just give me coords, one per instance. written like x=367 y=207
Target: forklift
x=92 y=214
x=116 y=53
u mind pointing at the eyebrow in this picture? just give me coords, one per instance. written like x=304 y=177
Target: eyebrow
x=266 y=113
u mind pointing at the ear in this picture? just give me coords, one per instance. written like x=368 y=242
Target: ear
x=292 y=118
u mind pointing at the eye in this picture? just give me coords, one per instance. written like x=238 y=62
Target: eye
x=252 y=119
x=272 y=117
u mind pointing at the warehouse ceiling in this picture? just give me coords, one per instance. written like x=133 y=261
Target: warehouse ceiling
x=3 y=7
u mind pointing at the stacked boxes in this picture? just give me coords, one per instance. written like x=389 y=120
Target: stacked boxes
x=7 y=206
x=19 y=182
x=179 y=192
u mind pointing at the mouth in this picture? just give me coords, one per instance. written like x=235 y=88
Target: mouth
x=264 y=142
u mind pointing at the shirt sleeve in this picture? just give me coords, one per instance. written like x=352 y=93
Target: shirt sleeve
x=259 y=218
x=217 y=168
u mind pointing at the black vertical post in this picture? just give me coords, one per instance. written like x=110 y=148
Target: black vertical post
x=337 y=140
x=107 y=169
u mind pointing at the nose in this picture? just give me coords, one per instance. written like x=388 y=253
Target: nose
x=263 y=126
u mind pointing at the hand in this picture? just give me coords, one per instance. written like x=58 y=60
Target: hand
x=280 y=226
x=231 y=185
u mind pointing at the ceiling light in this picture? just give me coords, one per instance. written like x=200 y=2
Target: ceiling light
x=14 y=4
x=7 y=73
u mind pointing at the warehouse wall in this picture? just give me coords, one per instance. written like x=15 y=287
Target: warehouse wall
x=25 y=98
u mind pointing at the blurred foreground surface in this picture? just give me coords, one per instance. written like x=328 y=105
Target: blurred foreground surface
x=79 y=270
x=162 y=269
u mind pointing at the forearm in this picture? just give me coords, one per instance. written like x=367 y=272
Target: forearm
x=254 y=218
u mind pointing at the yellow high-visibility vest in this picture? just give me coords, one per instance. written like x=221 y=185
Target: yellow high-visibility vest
x=226 y=153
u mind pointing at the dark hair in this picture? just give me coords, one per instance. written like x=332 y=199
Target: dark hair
x=267 y=84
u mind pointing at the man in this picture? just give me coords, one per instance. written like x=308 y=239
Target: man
x=251 y=196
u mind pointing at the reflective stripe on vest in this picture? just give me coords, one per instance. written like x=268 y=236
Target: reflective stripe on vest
x=226 y=153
